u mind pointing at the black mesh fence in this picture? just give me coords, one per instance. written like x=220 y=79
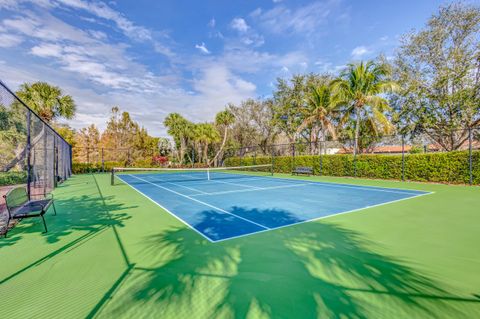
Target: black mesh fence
x=102 y=159
x=452 y=157
x=32 y=153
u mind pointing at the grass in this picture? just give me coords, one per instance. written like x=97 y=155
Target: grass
x=110 y=253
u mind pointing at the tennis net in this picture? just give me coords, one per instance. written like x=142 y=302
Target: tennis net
x=173 y=175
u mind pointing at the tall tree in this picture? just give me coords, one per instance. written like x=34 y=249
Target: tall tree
x=438 y=68
x=358 y=90
x=178 y=128
x=289 y=99
x=223 y=120
x=87 y=140
x=320 y=111
x=244 y=132
x=47 y=101
x=262 y=115
x=67 y=133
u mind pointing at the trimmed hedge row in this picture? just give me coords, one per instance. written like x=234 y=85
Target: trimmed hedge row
x=13 y=178
x=451 y=167
x=83 y=168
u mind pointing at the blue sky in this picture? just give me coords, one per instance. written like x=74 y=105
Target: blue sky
x=193 y=57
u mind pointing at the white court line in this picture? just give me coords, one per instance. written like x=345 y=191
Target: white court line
x=235 y=184
x=252 y=190
x=164 y=208
x=285 y=226
x=328 y=184
x=323 y=217
x=179 y=185
x=200 y=202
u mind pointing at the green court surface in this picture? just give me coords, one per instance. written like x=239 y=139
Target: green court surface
x=111 y=253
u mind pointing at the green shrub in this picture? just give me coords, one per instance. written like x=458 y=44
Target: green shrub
x=451 y=167
x=13 y=178
x=83 y=168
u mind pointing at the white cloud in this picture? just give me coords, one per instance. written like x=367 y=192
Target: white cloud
x=239 y=24
x=9 y=40
x=47 y=50
x=212 y=23
x=203 y=48
x=360 y=51
x=103 y=11
x=305 y=19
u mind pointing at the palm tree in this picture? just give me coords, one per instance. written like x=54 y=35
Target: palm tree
x=178 y=128
x=47 y=101
x=194 y=138
x=208 y=135
x=358 y=89
x=223 y=120
x=320 y=112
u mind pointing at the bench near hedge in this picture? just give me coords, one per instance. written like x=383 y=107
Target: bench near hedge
x=451 y=167
x=302 y=170
x=20 y=207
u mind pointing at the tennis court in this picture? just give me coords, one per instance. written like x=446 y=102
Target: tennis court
x=112 y=253
x=226 y=203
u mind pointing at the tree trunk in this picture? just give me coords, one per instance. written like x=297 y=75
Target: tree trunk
x=221 y=147
x=20 y=156
x=182 y=150
x=357 y=130
x=205 y=153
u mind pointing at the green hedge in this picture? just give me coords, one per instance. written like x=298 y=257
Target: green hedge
x=451 y=167
x=82 y=168
x=13 y=178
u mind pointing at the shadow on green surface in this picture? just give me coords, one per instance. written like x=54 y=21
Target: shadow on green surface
x=314 y=270
x=86 y=215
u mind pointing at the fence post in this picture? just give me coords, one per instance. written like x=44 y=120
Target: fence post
x=403 y=158
x=470 y=167
x=293 y=157
x=55 y=162
x=321 y=157
x=28 y=150
x=88 y=155
x=355 y=143
x=273 y=158
x=45 y=154
x=103 y=162
x=193 y=157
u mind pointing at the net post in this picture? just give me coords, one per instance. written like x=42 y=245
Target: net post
x=112 y=177
x=470 y=164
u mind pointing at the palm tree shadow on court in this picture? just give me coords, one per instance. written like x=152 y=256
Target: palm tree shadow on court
x=316 y=269
x=78 y=220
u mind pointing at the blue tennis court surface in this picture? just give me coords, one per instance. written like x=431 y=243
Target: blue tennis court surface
x=233 y=206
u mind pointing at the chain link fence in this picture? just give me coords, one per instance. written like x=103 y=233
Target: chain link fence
x=32 y=152
x=102 y=159
x=453 y=158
